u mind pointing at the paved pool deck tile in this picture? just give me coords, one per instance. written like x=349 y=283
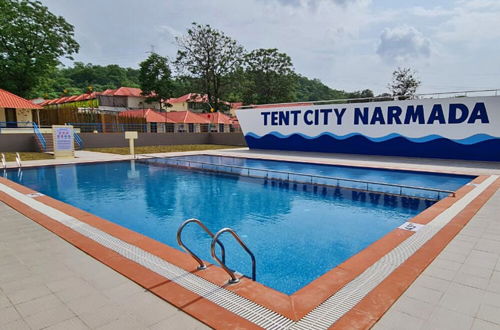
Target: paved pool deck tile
x=86 y=294
x=468 y=297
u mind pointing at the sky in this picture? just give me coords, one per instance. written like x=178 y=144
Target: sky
x=453 y=45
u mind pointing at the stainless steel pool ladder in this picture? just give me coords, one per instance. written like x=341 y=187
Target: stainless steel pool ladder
x=185 y=248
x=4 y=162
x=231 y=273
x=18 y=160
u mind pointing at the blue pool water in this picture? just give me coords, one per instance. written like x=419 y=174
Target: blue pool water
x=406 y=178
x=297 y=233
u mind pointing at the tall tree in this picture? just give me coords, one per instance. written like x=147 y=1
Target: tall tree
x=32 y=40
x=404 y=83
x=270 y=77
x=155 y=79
x=211 y=56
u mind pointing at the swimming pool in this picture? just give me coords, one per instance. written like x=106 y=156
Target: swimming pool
x=409 y=183
x=296 y=233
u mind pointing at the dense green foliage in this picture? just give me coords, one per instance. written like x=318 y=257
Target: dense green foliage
x=269 y=77
x=32 y=40
x=210 y=56
x=155 y=79
x=82 y=78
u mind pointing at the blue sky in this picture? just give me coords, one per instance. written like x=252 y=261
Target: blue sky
x=348 y=44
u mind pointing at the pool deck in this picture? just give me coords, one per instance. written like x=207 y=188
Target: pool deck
x=459 y=290
x=47 y=283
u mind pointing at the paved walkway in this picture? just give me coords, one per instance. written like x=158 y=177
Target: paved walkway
x=461 y=288
x=46 y=283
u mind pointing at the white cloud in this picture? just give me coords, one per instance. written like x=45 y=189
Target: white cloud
x=403 y=43
x=314 y=3
x=431 y=12
x=474 y=24
x=347 y=44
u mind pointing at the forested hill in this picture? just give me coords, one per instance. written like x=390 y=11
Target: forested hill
x=84 y=77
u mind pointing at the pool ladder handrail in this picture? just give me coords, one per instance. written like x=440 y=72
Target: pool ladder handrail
x=188 y=250
x=18 y=160
x=233 y=279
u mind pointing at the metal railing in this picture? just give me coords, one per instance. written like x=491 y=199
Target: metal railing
x=109 y=127
x=467 y=93
x=16 y=125
x=39 y=136
x=294 y=177
x=18 y=160
x=154 y=128
x=78 y=139
x=188 y=250
x=233 y=279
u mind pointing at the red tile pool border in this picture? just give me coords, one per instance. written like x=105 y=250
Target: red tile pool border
x=295 y=306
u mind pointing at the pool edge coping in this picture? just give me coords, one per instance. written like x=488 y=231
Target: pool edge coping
x=141 y=240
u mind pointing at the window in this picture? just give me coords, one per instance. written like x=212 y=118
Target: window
x=169 y=128
x=204 y=128
x=154 y=127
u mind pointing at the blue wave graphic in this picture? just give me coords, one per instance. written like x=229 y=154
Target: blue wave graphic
x=476 y=147
x=466 y=141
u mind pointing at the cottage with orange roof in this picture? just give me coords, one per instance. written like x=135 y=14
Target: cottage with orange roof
x=156 y=121
x=192 y=102
x=124 y=98
x=219 y=122
x=187 y=121
x=108 y=101
x=196 y=103
x=15 y=111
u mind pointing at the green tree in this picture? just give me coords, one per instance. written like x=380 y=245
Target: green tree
x=32 y=40
x=185 y=85
x=364 y=94
x=270 y=77
x=315 y=90
x=155 y=79
x=211 y=56
x=404 y=83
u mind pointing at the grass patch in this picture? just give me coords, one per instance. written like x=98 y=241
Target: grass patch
x=25 y=156
x=159 y=149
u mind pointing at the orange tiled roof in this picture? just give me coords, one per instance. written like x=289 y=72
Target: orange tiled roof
x=150 y=115
x=217 y=118
x=9 y=100
x=185 y=117
x=128 y=91
x=191 y=97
